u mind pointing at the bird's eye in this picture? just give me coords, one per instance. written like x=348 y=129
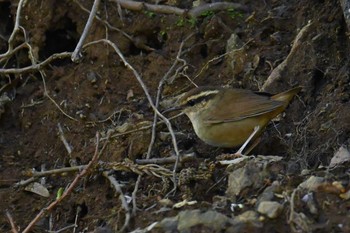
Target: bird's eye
x=191 y=102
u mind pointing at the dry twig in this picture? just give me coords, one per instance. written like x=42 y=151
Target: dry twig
x=76 y=56
x=36 y=67
x=159 y=91
x=46 y=93
x=142 y=128
x=105 y=22
x=16 y=28
x=149 y=98
x=63 y=139
x=168 y=160
x=164 y=9
x=140 y=169
x=12 y=223
x=134 y=193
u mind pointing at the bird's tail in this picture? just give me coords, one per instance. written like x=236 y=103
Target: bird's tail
x=286 y=96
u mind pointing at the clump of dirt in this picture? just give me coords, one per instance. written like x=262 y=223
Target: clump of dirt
x=47 y=111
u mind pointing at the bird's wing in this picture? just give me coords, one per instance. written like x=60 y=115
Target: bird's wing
x=241 y=104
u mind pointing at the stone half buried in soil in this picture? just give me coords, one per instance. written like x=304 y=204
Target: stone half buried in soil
x=210 y=221
x=340 y=157
x=251 y=175
x=271 y=209
x=237 y=55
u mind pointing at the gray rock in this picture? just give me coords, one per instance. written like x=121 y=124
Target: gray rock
x=312 y=183
x=271 y=209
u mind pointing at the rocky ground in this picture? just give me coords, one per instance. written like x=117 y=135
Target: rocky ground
x=91 y=119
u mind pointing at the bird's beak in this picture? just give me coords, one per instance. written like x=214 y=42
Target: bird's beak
x=176 y=108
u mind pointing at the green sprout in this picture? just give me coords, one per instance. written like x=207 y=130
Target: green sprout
x=192 y=21
x=208 y=13
x=233 y=13
x=59 y=193
x=181 y=22
x=150 y=14
x=162 y=34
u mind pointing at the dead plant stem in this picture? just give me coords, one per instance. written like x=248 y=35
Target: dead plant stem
x=76 y=55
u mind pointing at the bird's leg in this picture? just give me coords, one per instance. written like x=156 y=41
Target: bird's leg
x=238 y=156
x=239 y=152
x=254 y=144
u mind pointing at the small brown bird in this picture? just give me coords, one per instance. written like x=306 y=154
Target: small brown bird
x=226 y=117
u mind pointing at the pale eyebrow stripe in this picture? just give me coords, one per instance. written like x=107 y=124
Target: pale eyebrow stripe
x=202 y=94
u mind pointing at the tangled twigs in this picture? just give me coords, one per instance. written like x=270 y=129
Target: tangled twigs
x=6 y=56
x=143 y=167
x=142 y=128
x=140 y=169
x=164 y=9
x=149 y=98
x=16 y=28
x=160 y=89
x=149 y=169
x=83 y=173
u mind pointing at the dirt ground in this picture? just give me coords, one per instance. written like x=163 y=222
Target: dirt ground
x=50 y=109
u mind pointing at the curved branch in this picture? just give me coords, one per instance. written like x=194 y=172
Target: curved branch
x=15 y=29
x=36 y=66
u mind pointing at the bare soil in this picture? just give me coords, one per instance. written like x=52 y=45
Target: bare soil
x=101 y=94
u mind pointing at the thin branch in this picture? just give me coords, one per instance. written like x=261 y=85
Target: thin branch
x=38 y=66
x=216 y=6
x=144 y=167
x=168 y=160
x=15 y=29
x=165 y=9
x=142 y=128
x=105 y=22
x=159 y=91
x=134 y=193
x=290 y=219
x=63 y=229
x=12 y=223
x=24 y=182
x=76 y=56
x=13 y=51
x=63 y=139
x=46 y=93
x=58 y=171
